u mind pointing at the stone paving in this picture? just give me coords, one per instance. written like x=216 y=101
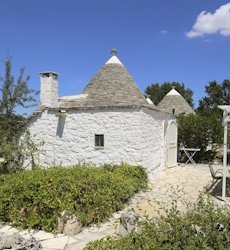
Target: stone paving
x=183 y=183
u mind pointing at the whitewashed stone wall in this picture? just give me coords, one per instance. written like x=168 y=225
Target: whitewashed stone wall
x=153 y=143
x=132 y=136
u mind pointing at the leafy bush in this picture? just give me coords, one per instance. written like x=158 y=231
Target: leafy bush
x=204 y=226
x=11 y=128
x=35 y=199
x=197 y=131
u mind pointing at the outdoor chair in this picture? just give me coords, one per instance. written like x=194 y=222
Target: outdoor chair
x=216 y=175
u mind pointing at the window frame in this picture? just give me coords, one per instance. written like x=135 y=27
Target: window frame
x=99 y=141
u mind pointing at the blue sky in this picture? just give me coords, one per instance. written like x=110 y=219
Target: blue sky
x=164 y=40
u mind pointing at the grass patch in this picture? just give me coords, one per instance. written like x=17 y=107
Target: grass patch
x=35 y=199
x=205 y=226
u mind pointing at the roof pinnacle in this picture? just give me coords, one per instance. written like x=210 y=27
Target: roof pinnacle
x=114 y=52
x=114 y=58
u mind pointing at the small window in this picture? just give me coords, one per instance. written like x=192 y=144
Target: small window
x=99 y=140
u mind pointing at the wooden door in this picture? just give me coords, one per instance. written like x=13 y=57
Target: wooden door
x=172 y=144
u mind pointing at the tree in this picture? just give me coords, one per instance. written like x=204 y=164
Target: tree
x=217 y=94
x=157 y=92
x=13 y=93
x=205 y=128
x=197 y=131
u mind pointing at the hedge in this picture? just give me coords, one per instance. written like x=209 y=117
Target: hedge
x=34 y=199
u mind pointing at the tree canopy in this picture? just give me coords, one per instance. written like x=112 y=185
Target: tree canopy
x=205 y=128
x=157 y=92
x=14 y=92
x=217 y=94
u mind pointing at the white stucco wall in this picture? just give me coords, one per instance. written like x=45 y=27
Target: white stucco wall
x=153 y=141
x=135 y=136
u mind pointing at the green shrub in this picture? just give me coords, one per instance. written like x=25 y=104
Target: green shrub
x=35 y=199
x=204 y=226
x=11 y=128
x=197 y=131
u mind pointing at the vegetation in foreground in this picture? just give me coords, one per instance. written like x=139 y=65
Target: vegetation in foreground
x=205 y=226
x=35 y=199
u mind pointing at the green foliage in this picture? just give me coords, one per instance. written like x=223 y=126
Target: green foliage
x=11 y=128
x=202 y=129
x=13 y=93
x=35 y=199
x=196 y=131
x=217 y=94
x=204 y=226
x=157 y=92
x=193 y=131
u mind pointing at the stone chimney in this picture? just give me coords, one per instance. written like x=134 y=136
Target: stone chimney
x=49 y=89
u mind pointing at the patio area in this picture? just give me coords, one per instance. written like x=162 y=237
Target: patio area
x=183 y=184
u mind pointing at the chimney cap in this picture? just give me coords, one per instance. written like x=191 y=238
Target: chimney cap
x=48 y=72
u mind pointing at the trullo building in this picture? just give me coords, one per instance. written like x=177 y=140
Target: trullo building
x=175 y=103
x=110 y=122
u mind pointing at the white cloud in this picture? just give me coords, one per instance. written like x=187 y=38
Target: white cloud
x=164 y=32
x=208 y=23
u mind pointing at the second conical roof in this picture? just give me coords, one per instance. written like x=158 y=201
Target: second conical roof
x=175 y=103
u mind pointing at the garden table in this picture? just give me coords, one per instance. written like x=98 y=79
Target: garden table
x=190 y=152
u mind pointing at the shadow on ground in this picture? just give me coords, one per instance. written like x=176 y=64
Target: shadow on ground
x=216 y=188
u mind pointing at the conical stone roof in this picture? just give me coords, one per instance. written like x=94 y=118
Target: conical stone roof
x=111 y=86
x=175 y=103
